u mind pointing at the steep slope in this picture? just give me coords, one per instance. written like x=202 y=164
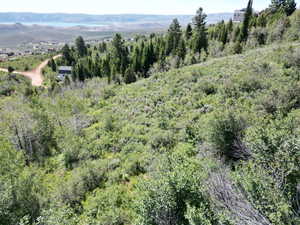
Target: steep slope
x=214 y=143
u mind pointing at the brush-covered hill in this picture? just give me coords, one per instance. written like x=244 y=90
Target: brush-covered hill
x=214 y=143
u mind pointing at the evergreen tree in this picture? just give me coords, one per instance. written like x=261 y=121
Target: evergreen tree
x=229 y=29
x=288 y=6
x=145 y=60
x=102 y=47
x=261 y=20
x=236 y=34
x=129 y=76
x=222 y=32
x=188 y=32
x=230 y=26
x=152 y=57
x=10 y=69
x=136 y=60
x=97 y=67
x=106 y=68
x=162 y=50
x=245 y=26
x=173 y=37
x=181 y=51
x=119 y=54
x=199 y=39
x=66 y=52
x=52 y=65
x=80 y=47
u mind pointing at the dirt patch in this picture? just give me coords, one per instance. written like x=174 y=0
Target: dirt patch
x=36 y=75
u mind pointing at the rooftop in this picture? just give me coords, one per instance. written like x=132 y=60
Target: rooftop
x=65 y=68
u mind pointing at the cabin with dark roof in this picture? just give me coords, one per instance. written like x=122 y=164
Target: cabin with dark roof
x=64 y=71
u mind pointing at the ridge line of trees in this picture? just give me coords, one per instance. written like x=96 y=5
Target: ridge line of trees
x=127 y=61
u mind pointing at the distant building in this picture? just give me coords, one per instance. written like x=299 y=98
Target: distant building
x=239 y=15
x=10 y=54
x=64 y=71
x=3 y=57
x=50 y=50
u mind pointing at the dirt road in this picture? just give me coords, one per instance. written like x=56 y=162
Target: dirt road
x=36 y=75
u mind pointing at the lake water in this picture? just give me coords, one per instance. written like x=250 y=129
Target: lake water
x=59 y=24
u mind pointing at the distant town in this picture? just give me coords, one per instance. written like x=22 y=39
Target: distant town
x=29 y=49
x=39 y=48
x=48 y=47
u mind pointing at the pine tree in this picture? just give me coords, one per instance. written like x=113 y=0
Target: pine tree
x=181 y=51
x=230 y=26
x=80 y=46
x=102 y=47
x=119 y=54
x=173 y=37
x=52 y=64
x=66 y=52
x=188 y=32
x=162 y=50
x=262 y=20
x=245 y=26
x=288 y=6
x=145 y=60
x=236 y=34
x=152 y=57
x=129 y=76
x=136 y=60
x=199 y=39
x=10 y=69
x=222 y=32
x=106 y=68
x=229 y=29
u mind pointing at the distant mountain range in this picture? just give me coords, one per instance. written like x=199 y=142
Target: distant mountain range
x=24 y=28
x=85 y=19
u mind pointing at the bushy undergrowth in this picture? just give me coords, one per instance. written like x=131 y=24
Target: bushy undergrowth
x=182 y=147
x=25 y=63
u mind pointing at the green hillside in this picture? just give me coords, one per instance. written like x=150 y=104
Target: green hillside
x=197 y=126
x=214 y=143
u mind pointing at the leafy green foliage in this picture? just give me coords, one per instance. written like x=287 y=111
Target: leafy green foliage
x=212 y=143
x=245 y=27
x=24 y=63
x=288 y=6
x=227 y=133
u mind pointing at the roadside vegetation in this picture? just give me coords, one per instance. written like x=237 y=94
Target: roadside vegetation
x=26 y=63
x=11 y=84
x=216 y=142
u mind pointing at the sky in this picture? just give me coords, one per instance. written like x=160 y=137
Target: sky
x=169 y=7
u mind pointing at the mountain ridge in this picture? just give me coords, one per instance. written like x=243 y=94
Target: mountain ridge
x=29 y=17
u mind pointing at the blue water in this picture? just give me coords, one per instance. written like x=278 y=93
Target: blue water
x=59 y=24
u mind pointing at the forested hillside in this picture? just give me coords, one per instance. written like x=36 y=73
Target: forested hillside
x=125 y=61
x=212 y=143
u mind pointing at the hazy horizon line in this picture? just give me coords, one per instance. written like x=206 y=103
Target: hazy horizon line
x=109 y=14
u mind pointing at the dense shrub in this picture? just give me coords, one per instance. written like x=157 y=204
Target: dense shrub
x=257 y=37
x=149 y=152
x=227 y=131
x=292 y=58
x=164 y=140
x=81 y=182
x=278 y=30
x=18 y=197
x=170 y=197
x=293 y=32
